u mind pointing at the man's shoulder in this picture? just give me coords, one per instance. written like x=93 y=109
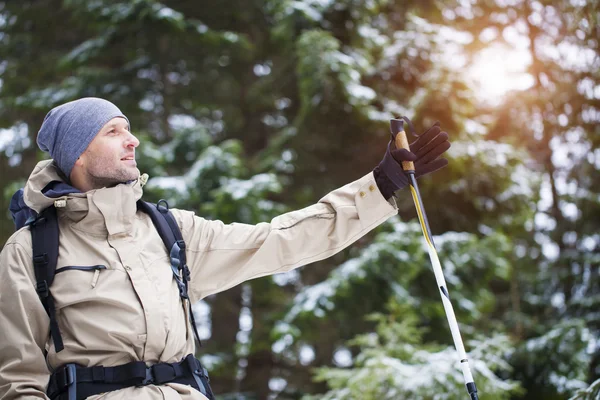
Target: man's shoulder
x=187 y=220
x=17 y=255
x=21 y=239
x=181 y=214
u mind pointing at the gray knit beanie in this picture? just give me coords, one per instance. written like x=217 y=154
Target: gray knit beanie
x=69 y=128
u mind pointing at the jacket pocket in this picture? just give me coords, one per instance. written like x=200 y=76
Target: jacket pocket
x=95 y=268
x=292 y=218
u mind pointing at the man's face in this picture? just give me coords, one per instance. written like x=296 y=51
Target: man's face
x=110 y=157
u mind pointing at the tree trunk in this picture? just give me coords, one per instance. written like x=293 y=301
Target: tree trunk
x=225 y=317
x=266 y=302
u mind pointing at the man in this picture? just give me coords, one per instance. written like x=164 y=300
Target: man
x=117 y=303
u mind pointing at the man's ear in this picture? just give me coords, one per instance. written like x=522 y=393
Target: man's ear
x=79 y=162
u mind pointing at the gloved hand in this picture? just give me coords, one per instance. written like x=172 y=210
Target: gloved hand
x=424 y=152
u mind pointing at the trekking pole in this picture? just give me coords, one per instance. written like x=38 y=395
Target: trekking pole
x=409 y=169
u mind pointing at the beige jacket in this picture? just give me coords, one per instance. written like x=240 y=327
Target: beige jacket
x=131 y=310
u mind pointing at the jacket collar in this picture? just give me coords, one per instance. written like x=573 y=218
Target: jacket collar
x=106 y=211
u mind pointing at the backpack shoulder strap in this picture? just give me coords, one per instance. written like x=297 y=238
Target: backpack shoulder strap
x=160 y=222
x=169 y=232
x=44 y=237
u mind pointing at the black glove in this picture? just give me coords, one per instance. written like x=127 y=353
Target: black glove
x=424 y=152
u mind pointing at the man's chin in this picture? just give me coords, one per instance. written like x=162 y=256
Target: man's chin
x=137 y=173
x=132 y=176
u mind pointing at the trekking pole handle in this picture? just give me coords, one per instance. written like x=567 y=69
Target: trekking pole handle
x=401 y=142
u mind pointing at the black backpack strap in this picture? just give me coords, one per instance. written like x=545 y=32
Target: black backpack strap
x=169 y=232
x=74 y=382
x=44 y=237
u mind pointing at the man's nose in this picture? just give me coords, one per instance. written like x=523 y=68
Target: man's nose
x=132 y=141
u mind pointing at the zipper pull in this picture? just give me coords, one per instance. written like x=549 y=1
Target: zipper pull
x=95 y=278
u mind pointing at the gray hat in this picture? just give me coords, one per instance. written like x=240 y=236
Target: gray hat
x=69 y=128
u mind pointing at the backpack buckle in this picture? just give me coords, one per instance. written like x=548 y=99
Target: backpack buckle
x=182 y=290
x=40 y=259
x=42 y=289
x=186 y=273
x=149 y=377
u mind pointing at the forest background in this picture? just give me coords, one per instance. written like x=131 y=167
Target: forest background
x=250 y=108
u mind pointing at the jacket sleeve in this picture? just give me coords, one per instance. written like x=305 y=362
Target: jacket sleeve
x=24 y=324
x=221 y=256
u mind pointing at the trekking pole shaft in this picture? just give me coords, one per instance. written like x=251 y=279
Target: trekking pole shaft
x=441 y=283
x=401 y=142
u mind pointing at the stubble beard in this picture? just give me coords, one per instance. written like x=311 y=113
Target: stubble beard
x=104 y=174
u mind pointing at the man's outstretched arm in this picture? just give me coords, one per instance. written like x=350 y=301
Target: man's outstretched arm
x=221 y=256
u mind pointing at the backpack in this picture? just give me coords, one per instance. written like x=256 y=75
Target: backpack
x=44 y=235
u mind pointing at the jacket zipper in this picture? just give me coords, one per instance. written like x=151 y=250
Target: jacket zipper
x=95 y=268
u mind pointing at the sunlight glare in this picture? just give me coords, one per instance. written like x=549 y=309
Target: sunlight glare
x=498 y=70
